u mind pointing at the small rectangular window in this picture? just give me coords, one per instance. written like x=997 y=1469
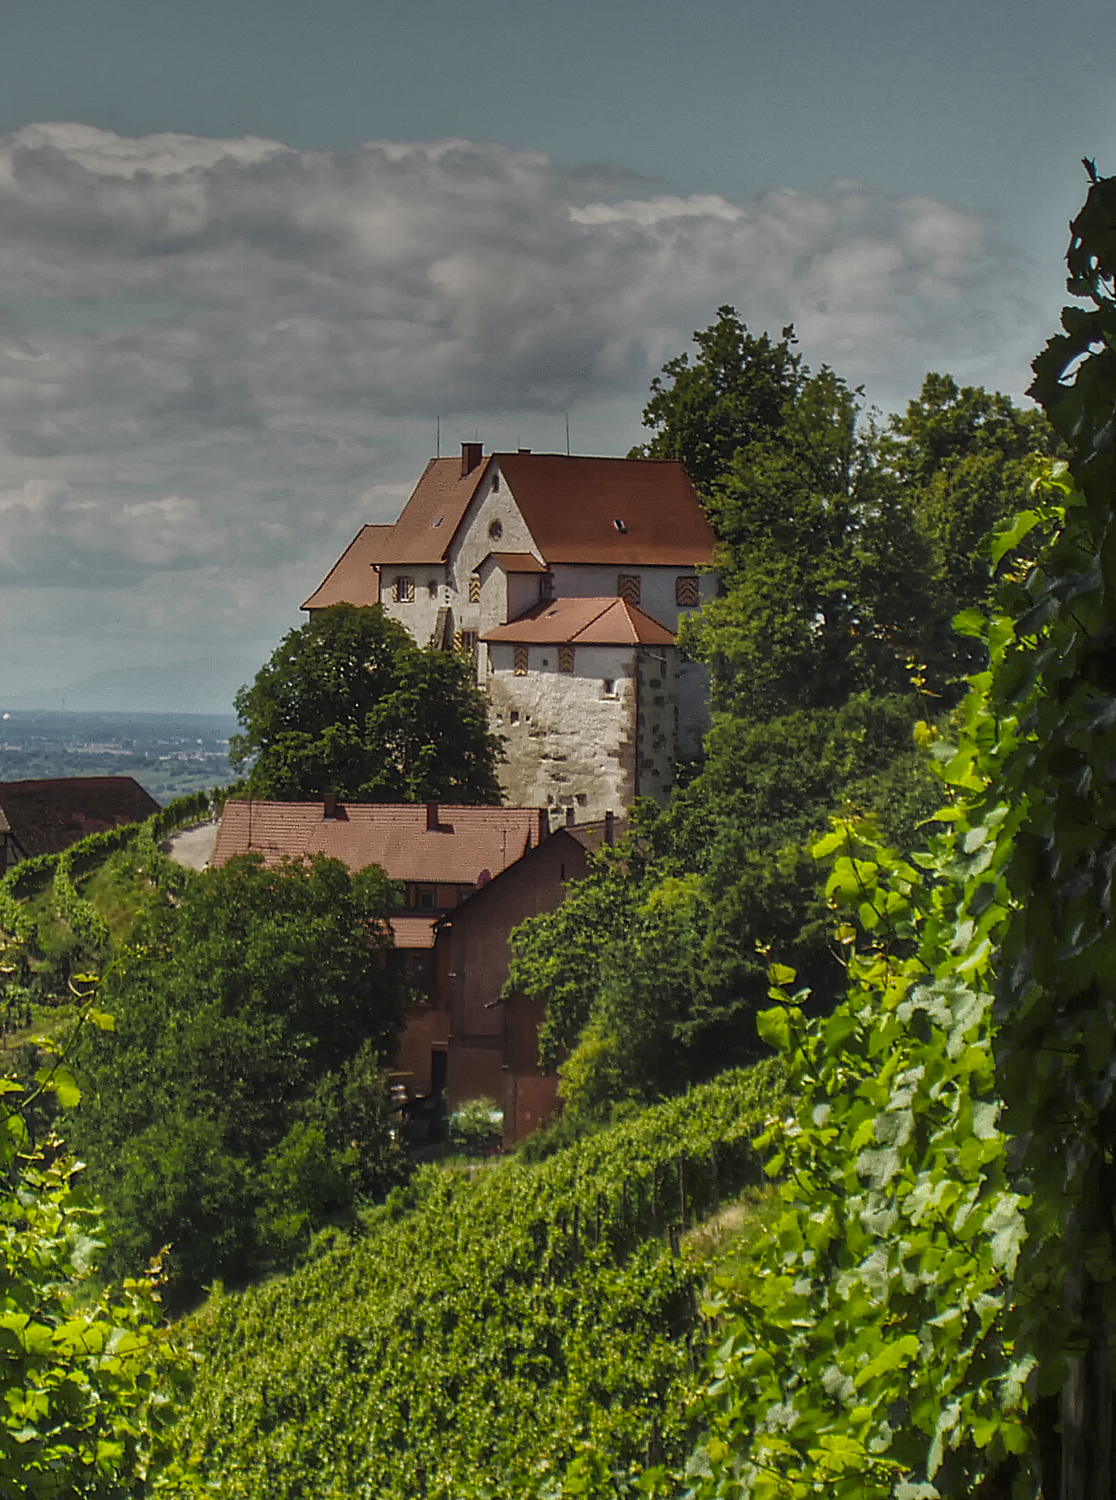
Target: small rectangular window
x=403 y=591
x=630 y=587
x=608 y=687
x=686 y=591
x=565 y=658
x=546 y=585
x=519 y=655
x=474 y=588
x=468 y=640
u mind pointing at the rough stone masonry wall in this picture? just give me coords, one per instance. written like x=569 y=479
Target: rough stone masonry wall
x=657 y=726
x=569 y=743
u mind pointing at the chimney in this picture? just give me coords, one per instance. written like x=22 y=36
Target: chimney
x=329 y=805
x=610 y=828
x=544 y=824
x=471 y=454
x=432 y=823
x=570 y=816
x=524 y=450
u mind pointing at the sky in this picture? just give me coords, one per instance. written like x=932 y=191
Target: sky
x=255 y=256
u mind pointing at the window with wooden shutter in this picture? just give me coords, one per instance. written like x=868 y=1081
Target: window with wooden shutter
x=474 y=588
x=686 y=591
x=403 y=591
x=565 y=658
x=519 y=657
x=629 y=586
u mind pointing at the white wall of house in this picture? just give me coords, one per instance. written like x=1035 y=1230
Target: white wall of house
x=420 y=615
x=593 y=580
x=491 y=508
x=570 y=737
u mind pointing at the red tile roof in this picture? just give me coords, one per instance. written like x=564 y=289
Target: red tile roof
x=432 y=515
x=394 y=836
x=45 y=817
x=414 y=932
x=586 y=622
x=571 y=506
x=517 y=562
x=353 y=578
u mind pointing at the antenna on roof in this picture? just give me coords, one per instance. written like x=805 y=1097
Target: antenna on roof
x=437 y=437
x=567 y=434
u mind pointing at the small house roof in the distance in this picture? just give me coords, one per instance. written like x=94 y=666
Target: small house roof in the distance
x=583 y=622
x=352 y=579
x=45 y=817
x=637 y=511
x=428 y=842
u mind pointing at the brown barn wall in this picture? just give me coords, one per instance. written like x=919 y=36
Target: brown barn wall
x=529 y=1101
x=479 y=965
x=425 y=1028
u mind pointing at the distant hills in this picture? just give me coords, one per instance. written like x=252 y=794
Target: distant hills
x=204 y=685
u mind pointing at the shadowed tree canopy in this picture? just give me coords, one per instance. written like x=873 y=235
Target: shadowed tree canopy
x=349 y=704
x=734 y=393
x=965 y=457
x=237 y=1105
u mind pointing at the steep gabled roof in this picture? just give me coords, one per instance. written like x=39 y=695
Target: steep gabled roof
x=352 y=579
x=395 y=836
x=571 y=507
x=517 y=562
x=45 y=817
x=583 y=622
x=432 y=515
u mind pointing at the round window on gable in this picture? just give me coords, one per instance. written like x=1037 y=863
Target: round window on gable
x=495 y=531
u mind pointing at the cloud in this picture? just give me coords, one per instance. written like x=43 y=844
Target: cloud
x=210 y=349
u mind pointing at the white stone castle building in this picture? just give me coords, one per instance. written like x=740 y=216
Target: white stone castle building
x=565 y=579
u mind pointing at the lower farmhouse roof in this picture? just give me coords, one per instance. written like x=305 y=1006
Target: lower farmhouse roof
x=45 y=817
x=427 y=842
x=584 y=622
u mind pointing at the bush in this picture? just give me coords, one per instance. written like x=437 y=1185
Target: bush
x=477 y=1127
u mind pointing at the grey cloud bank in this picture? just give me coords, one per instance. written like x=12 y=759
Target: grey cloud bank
x=218 y=357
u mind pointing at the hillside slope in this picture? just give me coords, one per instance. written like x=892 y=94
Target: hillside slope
x=472 y=1341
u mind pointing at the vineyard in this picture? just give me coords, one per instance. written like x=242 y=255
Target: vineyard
x=554 y=1310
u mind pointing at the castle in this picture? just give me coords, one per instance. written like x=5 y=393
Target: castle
x=565 y=578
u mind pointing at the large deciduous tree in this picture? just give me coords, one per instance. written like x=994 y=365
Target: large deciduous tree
x=826 y=574
x=734 y=393
x=238 y=1104
x=350 y=704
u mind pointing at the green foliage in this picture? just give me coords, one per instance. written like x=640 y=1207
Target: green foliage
x=865 y=1352
x=349 y=704
x=520 y=1333
x=86 y=1378
x=40 y=903
x=476 y=1126
x=654 y=966
x=893 y=1339
x=1056 y=1006
x=734 y=394
x=238 y=1105
x=964 y=458
x=824 y=568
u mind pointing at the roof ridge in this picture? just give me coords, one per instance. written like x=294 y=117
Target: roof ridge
x=607 y=600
